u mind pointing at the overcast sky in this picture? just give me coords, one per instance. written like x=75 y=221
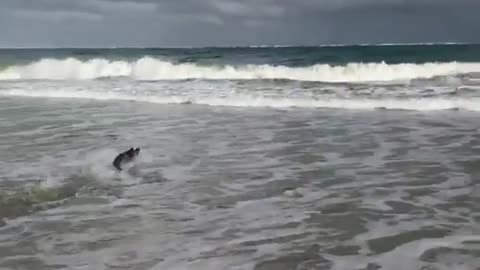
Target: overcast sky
x=161 y=23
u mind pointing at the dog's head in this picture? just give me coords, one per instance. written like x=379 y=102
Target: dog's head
x=130 y=153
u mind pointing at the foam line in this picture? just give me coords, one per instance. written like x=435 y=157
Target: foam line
x=415 y=104
x=148 y=68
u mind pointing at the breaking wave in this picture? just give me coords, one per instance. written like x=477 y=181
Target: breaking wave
x=414 y=104
x=148 y=68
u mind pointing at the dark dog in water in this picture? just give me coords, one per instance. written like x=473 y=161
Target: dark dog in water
x=125 y=157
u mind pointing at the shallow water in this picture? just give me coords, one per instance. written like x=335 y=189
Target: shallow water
x=236 y=188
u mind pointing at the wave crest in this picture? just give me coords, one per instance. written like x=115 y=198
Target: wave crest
x=148 y=68
x=413 y=104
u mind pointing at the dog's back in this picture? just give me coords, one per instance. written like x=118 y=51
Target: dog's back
x=125 y=157
x=118 y=160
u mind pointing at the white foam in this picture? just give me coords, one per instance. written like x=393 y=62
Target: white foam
x=52 y=181
x=94 y=165
x=293 y=193
x=407 y=256
x=148 y=68
x=415 y=104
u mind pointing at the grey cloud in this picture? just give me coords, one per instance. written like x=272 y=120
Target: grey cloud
x=234 y=22
x=59 y=16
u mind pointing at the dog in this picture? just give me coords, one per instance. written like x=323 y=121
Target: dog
x=125 y=157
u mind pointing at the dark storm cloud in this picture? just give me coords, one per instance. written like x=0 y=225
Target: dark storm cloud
x=234 y=22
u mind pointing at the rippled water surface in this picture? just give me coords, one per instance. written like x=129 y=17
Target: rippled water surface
x=238 y=188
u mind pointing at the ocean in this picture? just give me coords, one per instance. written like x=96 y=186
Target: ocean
x=265 y=158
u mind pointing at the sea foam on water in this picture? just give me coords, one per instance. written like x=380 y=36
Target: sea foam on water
x=149 y=68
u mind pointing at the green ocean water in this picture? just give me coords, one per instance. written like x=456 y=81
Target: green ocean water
x=288 y=56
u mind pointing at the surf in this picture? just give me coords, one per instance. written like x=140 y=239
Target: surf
x=235 y=100
x=150 y=68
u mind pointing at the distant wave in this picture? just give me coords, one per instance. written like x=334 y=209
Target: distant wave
x=356 y=45
x=148 y=68
x=397 y=44
x=415 y=104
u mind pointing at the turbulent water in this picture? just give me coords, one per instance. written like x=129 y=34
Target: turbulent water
x=342 y=158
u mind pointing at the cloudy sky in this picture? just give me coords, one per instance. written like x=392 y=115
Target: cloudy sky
x=160 y=23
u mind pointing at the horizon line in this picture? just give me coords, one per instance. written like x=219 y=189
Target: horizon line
x=247 y=46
